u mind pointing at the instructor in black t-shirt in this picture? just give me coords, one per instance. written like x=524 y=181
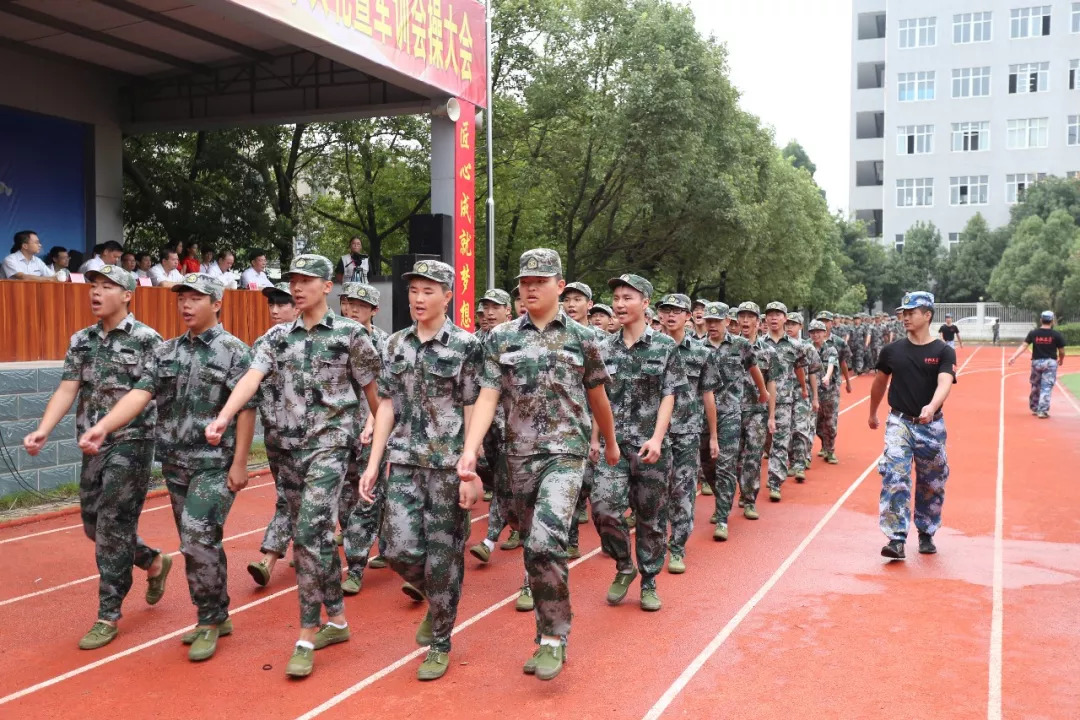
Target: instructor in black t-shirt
x=950 y=333
x=922 y=372
x=1047 y=355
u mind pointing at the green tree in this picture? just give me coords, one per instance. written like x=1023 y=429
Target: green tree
x=864 y=260
x=852 y=301
x=1039 y=259
x=797 y=155
x=965 y=271
x=1046 y=196
x=916 y=266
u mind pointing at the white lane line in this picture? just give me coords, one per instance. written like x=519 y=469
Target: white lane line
x=1068 y=396
x=149 y=643
x=166 y=506
x=853 y=406
x=698 y=662
x=997 y=614
x=972 y=355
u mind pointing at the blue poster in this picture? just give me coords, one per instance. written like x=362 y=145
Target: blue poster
x=43 y=171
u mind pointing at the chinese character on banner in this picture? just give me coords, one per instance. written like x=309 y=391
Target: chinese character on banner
x=465 y=217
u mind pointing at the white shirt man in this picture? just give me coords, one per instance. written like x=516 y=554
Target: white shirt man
x=165 y=274
x=222 y=268
x=256 y=274
x=24 y=264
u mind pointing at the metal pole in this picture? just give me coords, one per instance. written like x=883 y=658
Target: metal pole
x=490 y=164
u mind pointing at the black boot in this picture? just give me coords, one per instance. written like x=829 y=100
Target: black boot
x=926 y=544
x=894 y=550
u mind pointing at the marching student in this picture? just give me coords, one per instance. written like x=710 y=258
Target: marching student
x=790 y=387
x=758 y=413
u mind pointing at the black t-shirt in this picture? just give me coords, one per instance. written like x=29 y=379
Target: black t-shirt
x=1044 y=343
x=915 y=369
x=949 y=332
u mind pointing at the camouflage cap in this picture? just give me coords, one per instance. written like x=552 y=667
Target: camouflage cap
x=716 y=311
x=637 y=282
x=676 y=300
x=440 y=272
x=795 y=318
x=650 y=314
x=602 y=308
x=497 y=296
x=277 y=289
x=733 y=313
x=578 y=287
x=777 y=306
x=824 y=315
x=750 y=307
x=202 y=283
x=115 y=274
x=311 y=266
x=540 y=262
x=920 y=299
x=700 y=301
x=818 y=325
x=362 y=292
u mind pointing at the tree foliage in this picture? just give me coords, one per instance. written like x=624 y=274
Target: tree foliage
x=1040 y=258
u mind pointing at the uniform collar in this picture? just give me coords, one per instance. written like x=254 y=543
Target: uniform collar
x=206 y=337
x=645 y=339
x=526 y=320
x=327 y=321
x=125 y=326
x=443 y=336
x=783 y=337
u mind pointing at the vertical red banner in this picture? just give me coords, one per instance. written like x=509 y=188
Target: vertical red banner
x=465 y=216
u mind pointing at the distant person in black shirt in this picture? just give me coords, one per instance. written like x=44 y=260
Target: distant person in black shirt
x=950 y=333
x=1047 y=355
x=922 y=369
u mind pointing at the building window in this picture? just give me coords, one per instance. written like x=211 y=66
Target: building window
x=1076 y=17
x=915 y=192
x=1073 y=134
x=1027 y=133
x=918 y=32
x=970 y=136
x=1016 y=185
x=1029 y=22
x=916 y=86
x=915 y=140
x=1073 y=175
x=1029 y=77
x=1074 y=74
x=971 y=28
x=954 y=241
x=898 y=242
x=969 y=190
x=971 y=82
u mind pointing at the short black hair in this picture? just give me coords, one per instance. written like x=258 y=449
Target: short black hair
x=21 y=238
x=98 y=248
x=55 y=250
x=280 y=298
x=140 y=255
x=126 y=253
x=111 y=246
x=222 y=254
x=165 y=251
x=256 y=253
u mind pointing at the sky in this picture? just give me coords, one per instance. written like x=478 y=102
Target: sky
x=791 y=61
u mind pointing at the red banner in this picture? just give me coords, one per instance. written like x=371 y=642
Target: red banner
x=465 y=216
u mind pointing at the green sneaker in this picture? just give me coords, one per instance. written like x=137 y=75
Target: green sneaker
x=620 y=586
x=720 y=533
x=831 y=458
x=260 y=572
x=204 y=645
x=583 y=517
x=800 y=476
x=353 y=583
x=339 y=539
x=413 y=592
x=301 y=663
x=548 y=661
x=774 y=494
x=821 y=453
x=223 y=629
x=330 y=635
x=750 y=512
x=513 y=542
x=742 y=503
x=480 y=552
x=155 y=586
x=631 y=521
x=706 y=490
x=676 y=565
x=100 y=635
x=650 y=601
x=524 y=602
x=424 y=636
x=573 y=552
x=378 y=562
x=487 y=496
x=714 y=518
x=434 y=666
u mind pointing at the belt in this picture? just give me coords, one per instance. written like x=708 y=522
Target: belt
x=914 y=418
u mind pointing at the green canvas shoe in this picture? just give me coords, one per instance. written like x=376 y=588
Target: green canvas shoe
x=750 y=512
x=378 y=562
x=676 y=565
x=205 y=644
x=100 y=635
x=413 y=592
x=720 y=533
x=301 y=663
x=424 y=636
x=260 y=572
x=330 y=635
x=524 y=602
x=513 y=542
x=155 y=586
x=620 y=586
x=353 y=583
x=650 y=601
x=480 y=552
x=548 y=661
x=434 y=666
x=224 y=629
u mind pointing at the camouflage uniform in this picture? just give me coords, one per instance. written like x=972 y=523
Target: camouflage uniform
x=492 y=466
x=803 y=418
x=190 y=378
x=755 y=421
x=642 y=376
x=789 y=356
x=279 y=532
x=113 y=483
x=877 y=334
x=687 y=426
x=589 y=475
x=429 y=384
x=828 y=399
x=542 y=377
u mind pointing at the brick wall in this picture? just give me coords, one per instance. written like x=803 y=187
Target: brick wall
x=24 y=392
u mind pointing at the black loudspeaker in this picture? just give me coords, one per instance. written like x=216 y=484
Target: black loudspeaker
x=402 y=264
x=432 y=235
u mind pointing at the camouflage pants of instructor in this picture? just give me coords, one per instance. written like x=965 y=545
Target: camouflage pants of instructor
x=682 y=488
x=721 y=474
x=112 y=489
x=311 y=482
x=201 y=500
x=545 y=490
x=827 y=417
x=425 y=532
x=802 y=435
x=905 y=442
x=780 y=452
x=360 y=520
x=1043 y=376
x=587 y=476
x=755 y=428
x=643 y=488
x=279 y=532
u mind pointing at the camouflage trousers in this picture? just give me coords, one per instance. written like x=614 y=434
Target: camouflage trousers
x=201 y=500
x=721 y=474
x=279 y=532
x=682 y=488
x=827 y=417
x=112 y=489
x=501 y=509
x=906 y=441
x=1043 y=377
x=587 y=476
x=360 y=520
x=545 y=491
x=643 y=488
x=875 y=353
x=311 y=481
x=755 y=428
x=780 y=452
x=802 y=435
x=425 y=533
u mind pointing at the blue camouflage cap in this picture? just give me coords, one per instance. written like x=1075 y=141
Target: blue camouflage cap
x=918 y=299
x=202 y=283
x=636 y=282
x=1047 y=316
x=116 y=275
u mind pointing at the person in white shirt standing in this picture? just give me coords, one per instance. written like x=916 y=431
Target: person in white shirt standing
x=222 y=269
x=23 y=262
x=354 y=266
x=165 y=274
x=256 y=273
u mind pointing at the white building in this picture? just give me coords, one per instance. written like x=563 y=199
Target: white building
x=958 y=107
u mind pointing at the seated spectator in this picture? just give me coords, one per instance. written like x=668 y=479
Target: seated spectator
x=165 y=274
x=23 y=262
x=207 y=260
x=256 y=273
x=94 y=262
x=75 y=258
x=127 y=261
x=57 y=259
x=190 y=261
x=222 y=269
x=107 y=253
x=143 y=261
